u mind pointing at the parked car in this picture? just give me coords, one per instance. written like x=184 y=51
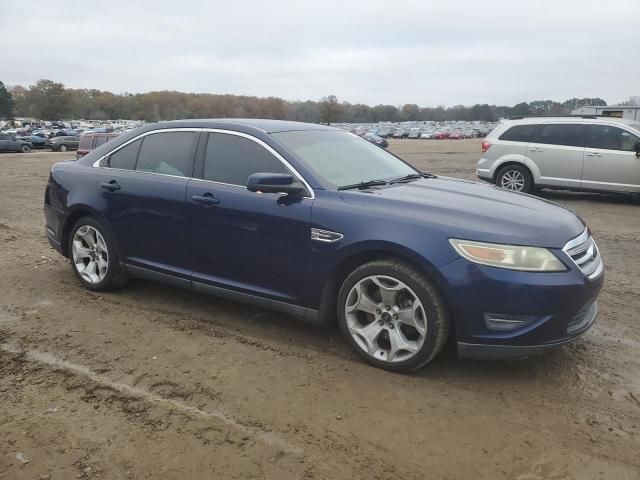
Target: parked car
x=319 y=223
x=91 y=141
x=376 y=140
x=34 y=141
x=9 y=143
x=62 y=144
x=577 y=153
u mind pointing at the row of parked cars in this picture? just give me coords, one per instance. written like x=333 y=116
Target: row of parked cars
x=419 y=130
x=63 y=143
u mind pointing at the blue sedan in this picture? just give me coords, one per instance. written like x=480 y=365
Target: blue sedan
x=320 y=224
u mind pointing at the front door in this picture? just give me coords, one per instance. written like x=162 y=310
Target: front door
x=143 y=188
x=610 y=161
x=255 y=243
x=558 y=152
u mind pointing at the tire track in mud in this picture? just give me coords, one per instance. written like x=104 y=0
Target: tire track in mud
x=46 y=358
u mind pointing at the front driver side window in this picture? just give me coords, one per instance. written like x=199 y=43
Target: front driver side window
x=232 y=158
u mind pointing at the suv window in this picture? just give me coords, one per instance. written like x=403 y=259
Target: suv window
x=100 y=140
x=570 y=134
x=520 y=133
x=170 y=153
x=231 y=159
x=611 y=138
x=86 y=142
x=125 y=158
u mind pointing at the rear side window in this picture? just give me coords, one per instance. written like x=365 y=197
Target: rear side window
x=101 y=140
x=611 y=138
x=520 y=133
x=170 y=153
x=86 y=142
x=231 y=159
x=570 y=134
x=125 y=158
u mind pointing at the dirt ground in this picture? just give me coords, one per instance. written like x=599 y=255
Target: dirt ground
x=156 y=382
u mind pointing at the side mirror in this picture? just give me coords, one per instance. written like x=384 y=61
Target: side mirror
x=273 y=183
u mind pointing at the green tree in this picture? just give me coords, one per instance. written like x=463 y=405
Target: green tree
x=7 y=104
x=330 y=109
x=48 y=100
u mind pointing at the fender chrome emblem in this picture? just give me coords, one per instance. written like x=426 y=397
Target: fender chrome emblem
x=325 y=235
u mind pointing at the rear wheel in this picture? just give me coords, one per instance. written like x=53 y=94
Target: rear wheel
x=25 y=149
x=392 y=315
x=515 y=178
x=93 y=256
x=63 y=148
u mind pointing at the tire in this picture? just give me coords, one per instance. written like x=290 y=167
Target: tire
x=25 y=149
x=516 y=178
x=107 y=273
x=429 y=314
x=63 y=148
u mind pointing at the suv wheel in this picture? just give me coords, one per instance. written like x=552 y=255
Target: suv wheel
x=392 y=315
x=515 y=178
x=93 y=256
x=25 y=149
x=63 y=148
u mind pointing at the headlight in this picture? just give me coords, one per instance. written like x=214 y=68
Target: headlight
x=513 y=257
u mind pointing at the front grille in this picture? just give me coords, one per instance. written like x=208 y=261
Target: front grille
x=585 y=254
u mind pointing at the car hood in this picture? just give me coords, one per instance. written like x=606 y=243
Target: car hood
x=473 y=211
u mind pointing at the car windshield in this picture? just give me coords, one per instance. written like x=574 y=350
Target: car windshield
x=341 y=158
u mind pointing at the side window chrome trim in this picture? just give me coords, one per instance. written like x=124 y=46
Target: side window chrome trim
x=209 y=130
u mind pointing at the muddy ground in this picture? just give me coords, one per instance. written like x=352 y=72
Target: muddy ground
x=155 y=382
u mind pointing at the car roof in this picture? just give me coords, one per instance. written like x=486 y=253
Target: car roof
x=568 y=119
x=241 y=124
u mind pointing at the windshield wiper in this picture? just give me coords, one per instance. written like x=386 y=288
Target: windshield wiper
x=364 y=184
x=413 y=176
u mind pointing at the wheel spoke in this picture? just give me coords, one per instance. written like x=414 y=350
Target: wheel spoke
x=389 y=293
x=409 y=316
x=400 y=344
x=364 y=303
x=79 y=250
x=369 y=335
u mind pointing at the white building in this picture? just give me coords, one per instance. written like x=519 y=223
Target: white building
x=626 y=112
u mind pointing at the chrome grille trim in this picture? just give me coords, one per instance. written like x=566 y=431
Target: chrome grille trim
x=584 y=252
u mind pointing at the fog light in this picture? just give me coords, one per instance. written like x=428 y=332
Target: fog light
x=500 y=322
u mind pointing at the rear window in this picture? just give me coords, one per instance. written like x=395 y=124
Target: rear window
x=86 y=142
x=570 y=134
x=520 y=133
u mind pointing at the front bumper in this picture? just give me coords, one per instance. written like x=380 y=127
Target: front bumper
x=554 y=308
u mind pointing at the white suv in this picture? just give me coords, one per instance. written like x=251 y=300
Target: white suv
x=577 y=153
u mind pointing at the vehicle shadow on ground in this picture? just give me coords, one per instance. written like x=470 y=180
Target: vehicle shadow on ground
x=287 y=331
x=602 y=198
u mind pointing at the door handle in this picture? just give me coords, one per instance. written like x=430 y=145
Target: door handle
x=112 y=186
x=593 y=154
x=535 y=150
x=205 y=199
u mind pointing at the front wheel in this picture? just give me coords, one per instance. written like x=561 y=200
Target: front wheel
x=392 y=315
x=93 y=256
x=515 y=178
x=63 y=148
x=25 y=149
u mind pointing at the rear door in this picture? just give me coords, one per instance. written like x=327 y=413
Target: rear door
x=558 y=152
x=143 y=186
x=610 y=161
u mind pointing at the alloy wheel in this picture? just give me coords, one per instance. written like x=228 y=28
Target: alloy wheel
x=512 y=180
x=386 y=318
x=90 y=254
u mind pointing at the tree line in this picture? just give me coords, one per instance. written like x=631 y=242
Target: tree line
x=49 y=100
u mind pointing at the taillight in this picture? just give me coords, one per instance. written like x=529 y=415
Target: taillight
x=485 y=146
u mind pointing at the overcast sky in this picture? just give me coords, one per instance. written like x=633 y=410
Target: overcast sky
x=424 y=52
